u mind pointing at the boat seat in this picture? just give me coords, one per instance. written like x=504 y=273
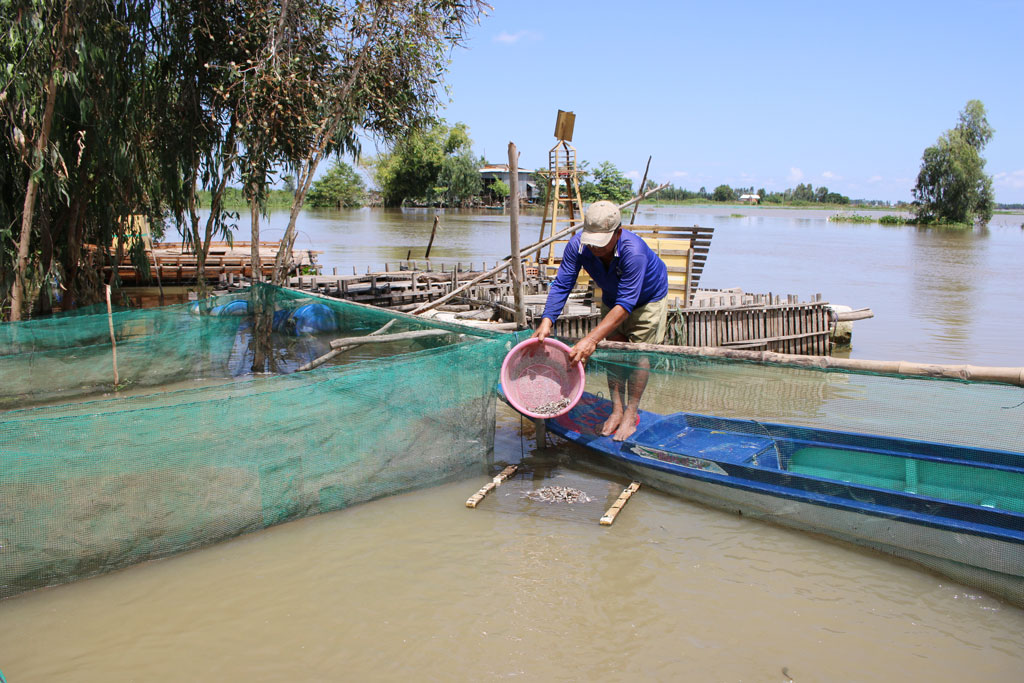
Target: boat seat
x=675 y=434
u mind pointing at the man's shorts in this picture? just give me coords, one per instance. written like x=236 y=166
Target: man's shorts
x=646 y=324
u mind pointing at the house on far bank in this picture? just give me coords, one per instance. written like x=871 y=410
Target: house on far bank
x=494 y=172
x=750 y=198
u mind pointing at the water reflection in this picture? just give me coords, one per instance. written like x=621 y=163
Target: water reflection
x=946 y=268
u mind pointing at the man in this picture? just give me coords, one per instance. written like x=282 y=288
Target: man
x=634 y=303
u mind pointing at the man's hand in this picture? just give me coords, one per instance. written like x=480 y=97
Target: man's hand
x=583 y=350
x=543 y=330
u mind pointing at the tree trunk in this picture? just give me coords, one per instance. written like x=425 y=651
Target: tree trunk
x=254 y=253
x=29 y=207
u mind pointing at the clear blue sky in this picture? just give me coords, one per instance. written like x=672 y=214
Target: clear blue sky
x=768 y=94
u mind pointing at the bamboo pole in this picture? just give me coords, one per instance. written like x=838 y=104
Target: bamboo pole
x=529 y=250
x=974 y=373
x=516 y=269
x=113 y=340
x=475 y=499
x=617 y=506
x=642 y=183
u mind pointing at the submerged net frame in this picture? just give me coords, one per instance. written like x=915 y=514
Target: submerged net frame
x=195 y=451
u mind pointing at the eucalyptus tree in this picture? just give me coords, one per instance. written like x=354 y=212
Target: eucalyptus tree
x=107 y=132
x=387 y=58
x=74 y=100
x=202 y=47
x=36 y=43
x=952 y=186
x=278 y=83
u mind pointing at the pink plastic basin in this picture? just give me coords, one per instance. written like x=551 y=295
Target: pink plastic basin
x=536 y=373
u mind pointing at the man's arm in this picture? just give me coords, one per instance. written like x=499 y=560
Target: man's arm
x=585 y=347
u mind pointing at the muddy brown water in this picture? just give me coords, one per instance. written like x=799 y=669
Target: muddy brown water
x=419 y=587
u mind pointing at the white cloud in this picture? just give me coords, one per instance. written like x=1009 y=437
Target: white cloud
x=632 y=175
x=875 y=179
x=795 y=175
x=679 y=174
x=507 y=38
x=1014 y=179
x=829 y=175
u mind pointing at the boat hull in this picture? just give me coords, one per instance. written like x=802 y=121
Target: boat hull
x=970 y=544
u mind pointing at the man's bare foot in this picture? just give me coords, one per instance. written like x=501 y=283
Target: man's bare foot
x=612 y=423
x=626 y=427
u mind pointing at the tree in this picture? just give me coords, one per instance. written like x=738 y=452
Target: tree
x=111 y=110
x=952 y=186
x=723 y=193
x=802 y=193
x=609 y=183
x=386 y=59
x=414 y=166
x=460 y=177
x=500 y=189
x=340 y=188
x=92 y=62
x=38 y=37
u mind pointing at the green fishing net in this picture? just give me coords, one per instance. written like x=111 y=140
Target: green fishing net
x=192 y=447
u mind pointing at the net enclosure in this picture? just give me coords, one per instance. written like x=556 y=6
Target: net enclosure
x=192 y=447
x=930 y=470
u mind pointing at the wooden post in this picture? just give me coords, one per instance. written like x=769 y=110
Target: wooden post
x=540 y=430
x=433 y=231
x=113 y=340
x=516 y=267
x=636 y=207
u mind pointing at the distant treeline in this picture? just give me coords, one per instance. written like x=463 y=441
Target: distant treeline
x=234 y=199
x=801 y=194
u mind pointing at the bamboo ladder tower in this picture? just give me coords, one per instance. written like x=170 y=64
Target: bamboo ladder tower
x=563 y=207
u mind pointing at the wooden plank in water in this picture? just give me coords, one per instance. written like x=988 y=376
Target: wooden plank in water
x=617 y=506
x=491 y=485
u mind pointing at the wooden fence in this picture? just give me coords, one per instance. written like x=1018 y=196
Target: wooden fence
x=801 y=328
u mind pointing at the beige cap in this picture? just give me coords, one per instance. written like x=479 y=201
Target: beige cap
x=600 y=223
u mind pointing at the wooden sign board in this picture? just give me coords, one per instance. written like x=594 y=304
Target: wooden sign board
x=564 y=125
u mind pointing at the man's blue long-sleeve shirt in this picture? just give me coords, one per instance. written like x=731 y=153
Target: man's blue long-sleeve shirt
x=636 y=275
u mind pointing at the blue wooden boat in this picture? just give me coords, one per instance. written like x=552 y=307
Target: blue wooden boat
x=954 y=509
